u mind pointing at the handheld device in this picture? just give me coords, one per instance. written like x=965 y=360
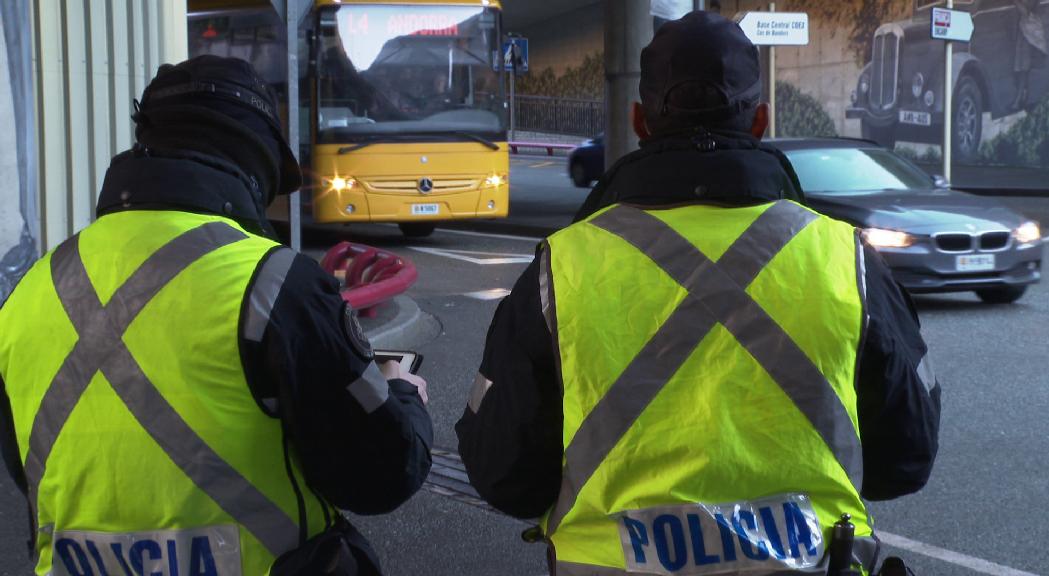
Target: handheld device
x=409 y=361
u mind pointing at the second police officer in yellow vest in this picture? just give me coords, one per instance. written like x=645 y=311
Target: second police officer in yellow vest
x=701 y=375
x=182 y=395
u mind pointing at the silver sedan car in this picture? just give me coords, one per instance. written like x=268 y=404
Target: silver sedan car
x=933 y=238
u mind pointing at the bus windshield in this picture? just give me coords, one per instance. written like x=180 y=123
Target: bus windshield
x=404 y=71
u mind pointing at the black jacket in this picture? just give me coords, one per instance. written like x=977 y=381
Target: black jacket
x=512 y=444
x=312 y=349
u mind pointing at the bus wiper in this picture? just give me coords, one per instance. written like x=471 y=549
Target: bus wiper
x=355 y=147
x=365 y=143
x=480 y=139
x=407 y=136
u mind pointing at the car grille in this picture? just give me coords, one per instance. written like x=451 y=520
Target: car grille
x=440 y=186
x=961 y=242
x=884 y=70
x=994 y=240
x=954 y=242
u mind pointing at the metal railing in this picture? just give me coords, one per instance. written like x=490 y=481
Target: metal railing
x=560 y=115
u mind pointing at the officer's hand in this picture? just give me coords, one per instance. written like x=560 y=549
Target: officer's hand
x=392 y=370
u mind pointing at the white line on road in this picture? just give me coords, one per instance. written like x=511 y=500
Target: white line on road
x=465 y=256
x=956 y=558
x=542 y=165
x=493 y=294
x=486 y=235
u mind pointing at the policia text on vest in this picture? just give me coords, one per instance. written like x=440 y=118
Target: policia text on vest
x=201 y=552
x=704 y=538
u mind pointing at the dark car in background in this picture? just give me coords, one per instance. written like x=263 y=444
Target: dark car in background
x=934 y=239
x=899 y=94
x=586 y=162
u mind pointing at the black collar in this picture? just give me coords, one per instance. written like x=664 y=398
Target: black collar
x=142 y=179
x=697 y=167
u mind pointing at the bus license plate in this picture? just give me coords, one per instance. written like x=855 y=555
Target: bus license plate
x=916 y=118
x=975 y=263
x=425 y=209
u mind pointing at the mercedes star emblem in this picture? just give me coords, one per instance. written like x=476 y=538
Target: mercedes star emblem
x=425 y=185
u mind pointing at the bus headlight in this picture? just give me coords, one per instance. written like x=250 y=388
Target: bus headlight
x=339 y=183
x=495 y=180
x=1028 y=233
x=882 y=238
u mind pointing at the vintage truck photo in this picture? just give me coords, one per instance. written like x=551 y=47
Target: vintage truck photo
x=1002 y=71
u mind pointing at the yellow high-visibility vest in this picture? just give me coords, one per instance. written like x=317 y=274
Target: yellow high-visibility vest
x=144 y=449
x=708 y=361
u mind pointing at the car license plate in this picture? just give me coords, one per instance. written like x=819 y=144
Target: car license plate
x=425 y=209
x=916 y=118
x=975 y=263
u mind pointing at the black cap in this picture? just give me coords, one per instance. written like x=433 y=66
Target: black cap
x=706 y=50
x=223 y=81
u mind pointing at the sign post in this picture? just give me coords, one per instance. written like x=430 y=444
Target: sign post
x=774 y=29
x=515 y=57
x=950 y=25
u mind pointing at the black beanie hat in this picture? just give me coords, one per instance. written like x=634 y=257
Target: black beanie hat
x=230 y=87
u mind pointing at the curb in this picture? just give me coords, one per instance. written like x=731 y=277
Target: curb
x=406 y=328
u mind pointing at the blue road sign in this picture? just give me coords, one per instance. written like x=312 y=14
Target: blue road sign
x=520 y=46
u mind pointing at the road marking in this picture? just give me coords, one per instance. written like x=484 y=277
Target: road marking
x=956 y=558
x=492 y=294
x=493 y=258
x=487 y=235
x=541 y=165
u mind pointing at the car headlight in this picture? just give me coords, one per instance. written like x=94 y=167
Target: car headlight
x=930 y=98
x=917 y=85
x=1028 y=233
x=882 y=238
x=339 y=183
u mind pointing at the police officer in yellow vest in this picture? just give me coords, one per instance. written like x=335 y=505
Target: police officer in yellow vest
x=180 y=393
x=681 y=381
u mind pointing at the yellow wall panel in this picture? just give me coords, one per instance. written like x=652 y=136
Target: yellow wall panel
x=120 y=76
x=90 y=59
x=99 y=94
x=51 y=127
x=78 y=138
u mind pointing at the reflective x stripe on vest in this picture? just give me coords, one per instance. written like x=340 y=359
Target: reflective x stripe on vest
x=716 y=294
x=100 y=348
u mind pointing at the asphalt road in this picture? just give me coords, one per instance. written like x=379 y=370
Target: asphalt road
x=982 y=512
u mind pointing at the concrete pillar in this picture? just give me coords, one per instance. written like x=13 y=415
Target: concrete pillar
x=628 y=29
x=19 y=220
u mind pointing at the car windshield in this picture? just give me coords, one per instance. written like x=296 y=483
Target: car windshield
x=397 y=71
x=851 y=170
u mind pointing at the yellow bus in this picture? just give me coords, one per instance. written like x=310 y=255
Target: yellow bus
x=407 y=109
